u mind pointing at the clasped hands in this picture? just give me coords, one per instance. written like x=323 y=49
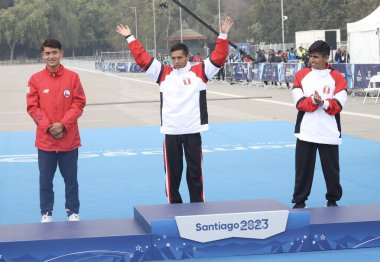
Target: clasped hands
x=318 y=99
x=56 y=130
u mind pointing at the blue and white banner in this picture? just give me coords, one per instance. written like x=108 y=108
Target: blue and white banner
x=363 y=73
x=357 y=75
x=239 y=71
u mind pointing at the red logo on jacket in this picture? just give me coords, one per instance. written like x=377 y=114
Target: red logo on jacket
x=326 y=90
x=186 y=81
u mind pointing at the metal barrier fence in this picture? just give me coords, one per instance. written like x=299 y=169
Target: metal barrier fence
x=357 y=75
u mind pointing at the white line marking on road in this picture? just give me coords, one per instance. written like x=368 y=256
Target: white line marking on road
x=220 y=93
x=111 y=75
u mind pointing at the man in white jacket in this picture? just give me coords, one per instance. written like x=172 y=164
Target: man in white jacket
x=183 y=107
x=319 y=93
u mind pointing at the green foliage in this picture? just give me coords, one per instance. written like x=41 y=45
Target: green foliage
x=23 y=22
x=88 y=26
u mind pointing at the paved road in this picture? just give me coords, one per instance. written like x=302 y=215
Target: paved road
x=117 y=100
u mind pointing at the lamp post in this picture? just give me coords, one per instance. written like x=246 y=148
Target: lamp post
x=283 y=18
x=219 y=15
x=167 y=31
x=180 y=21
x=154 y=31
x=135 y=9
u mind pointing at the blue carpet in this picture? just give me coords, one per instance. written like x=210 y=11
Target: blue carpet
x=123 y=167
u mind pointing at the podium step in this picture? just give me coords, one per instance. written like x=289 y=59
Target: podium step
x=144 y=215
x=195 y=230
x=75 y=241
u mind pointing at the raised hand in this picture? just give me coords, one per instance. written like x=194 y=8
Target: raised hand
x=226 y=25
x=123 y=30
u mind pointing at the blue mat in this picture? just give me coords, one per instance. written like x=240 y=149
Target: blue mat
x=123 y=167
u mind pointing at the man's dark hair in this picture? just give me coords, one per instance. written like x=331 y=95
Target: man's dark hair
x=178 y=47
x=52 y=43
x=320 y=47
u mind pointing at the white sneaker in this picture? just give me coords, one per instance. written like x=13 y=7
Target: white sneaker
x=74 y=217
x=46 y=218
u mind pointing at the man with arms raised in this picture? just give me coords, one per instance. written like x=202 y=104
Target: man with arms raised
x=183 y=107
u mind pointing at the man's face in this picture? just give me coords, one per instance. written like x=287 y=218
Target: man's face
x=179 y=59
x=52 y=57
x=318 y=61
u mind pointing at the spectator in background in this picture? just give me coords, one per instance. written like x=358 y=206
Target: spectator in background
x=247 y=59
x=282 y=59
x=300 y=53
x=271 y=56
x=262 y=59
x=284 y=55
x=261 y=56
x=345 y=56
x=338 y=56
x=305 y=58
x=292 y=54
x=221 y=74
x=167 y=60
x=231 y=56
x=197 y=58
x=160 y=57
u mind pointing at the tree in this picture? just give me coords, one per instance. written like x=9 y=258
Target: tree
x=18 y=31
x=6 y=3
x=85 y=26
x=64 y=22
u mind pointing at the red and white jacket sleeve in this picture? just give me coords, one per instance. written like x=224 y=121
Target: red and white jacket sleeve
x=33 y=107
x=334 y=105
x=151 y=65
x=302 y=102
x=76 y=109
x=218 y=56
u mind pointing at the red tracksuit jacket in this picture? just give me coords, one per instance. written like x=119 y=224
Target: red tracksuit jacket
x=57 y=97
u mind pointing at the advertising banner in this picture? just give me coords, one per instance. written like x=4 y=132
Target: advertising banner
x=363 y=73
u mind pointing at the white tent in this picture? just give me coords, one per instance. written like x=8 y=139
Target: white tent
x=363 y=39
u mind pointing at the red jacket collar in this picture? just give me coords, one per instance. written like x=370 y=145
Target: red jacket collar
x=59 y=72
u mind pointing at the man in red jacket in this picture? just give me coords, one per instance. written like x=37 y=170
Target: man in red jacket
x=55 y=101
x=183 y=107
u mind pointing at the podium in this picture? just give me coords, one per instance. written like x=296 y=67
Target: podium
x=75 y=241
x=195 y=230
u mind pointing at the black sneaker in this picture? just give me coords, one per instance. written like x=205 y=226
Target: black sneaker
x=331 y=203
x=299 y=205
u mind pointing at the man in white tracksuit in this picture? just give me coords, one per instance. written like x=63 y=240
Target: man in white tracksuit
x=320 y=94
x=183 y=107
